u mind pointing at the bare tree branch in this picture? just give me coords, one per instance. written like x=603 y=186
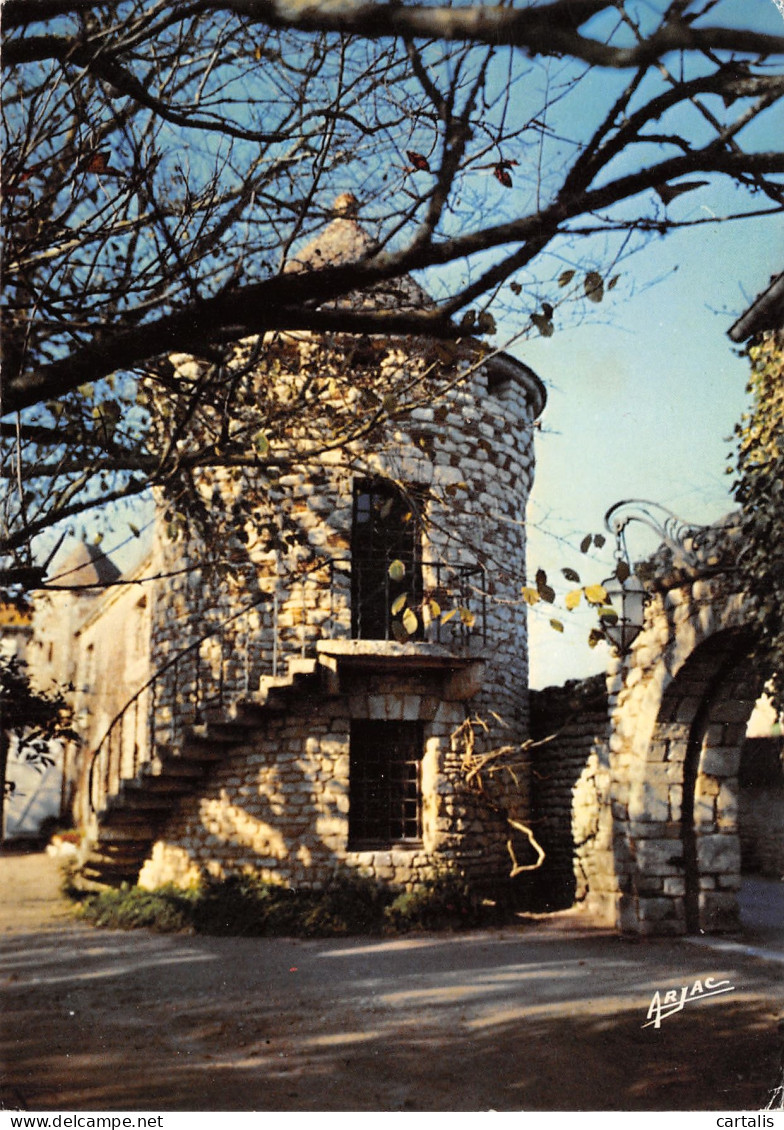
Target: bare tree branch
x=171 y=168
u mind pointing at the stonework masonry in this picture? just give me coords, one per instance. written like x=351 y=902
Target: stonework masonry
x=460 y=451
x=569 y=724
x=470 y=456
x=278 y=806
x=471 y=452
x=655 y=805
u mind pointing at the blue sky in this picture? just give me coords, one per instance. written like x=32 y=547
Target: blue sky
x=641 y=405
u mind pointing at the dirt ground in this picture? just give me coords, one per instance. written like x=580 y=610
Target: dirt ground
x=547 y=1015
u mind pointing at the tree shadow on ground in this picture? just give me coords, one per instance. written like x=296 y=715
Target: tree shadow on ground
x=498 y=1020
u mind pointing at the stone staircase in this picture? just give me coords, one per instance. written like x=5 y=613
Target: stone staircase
x=131 y=818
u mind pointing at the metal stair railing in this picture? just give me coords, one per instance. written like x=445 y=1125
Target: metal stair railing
x=188 y=686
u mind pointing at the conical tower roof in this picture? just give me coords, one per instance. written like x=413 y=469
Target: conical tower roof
x=86 y=565
x=344 y=240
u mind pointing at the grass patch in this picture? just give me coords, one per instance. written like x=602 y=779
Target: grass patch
x=444 y=902
x=244 y=905
x=167 y=910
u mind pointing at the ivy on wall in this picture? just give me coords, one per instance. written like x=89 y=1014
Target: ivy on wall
x=759 y=490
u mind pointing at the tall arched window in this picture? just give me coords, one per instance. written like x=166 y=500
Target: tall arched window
x=386 y=557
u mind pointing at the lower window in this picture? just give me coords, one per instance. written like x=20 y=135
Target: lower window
x=385 y=794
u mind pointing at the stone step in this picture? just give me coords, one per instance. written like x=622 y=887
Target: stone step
x=161 y=785
x=173 y=767
x=131 y=817
x=106 y=875
x=133 y=799
x=127 y=860
x=214 y=733
x=121 y=840
x=131 y=825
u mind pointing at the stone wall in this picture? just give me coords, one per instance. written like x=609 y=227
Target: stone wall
x=278 y=806
x=452 y=429
x=761 y=807
x=570 y=722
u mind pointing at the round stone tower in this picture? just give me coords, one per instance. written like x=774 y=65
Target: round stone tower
x=381 y=538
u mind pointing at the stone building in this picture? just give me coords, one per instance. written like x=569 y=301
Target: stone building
x=297 y=711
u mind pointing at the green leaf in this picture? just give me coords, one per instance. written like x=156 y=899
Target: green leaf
x=573 y=598
x=556 y=625
x=434 y=608
x=261 y=443
x=399 y=604
x=397 y=570
x=571 y=575
x=594 y=286
x=530 y=596
x=447 y=616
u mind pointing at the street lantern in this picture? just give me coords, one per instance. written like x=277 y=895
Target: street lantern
x=623 y=614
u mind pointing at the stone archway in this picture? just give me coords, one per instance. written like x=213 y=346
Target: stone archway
x=655 y=811
x=687 y=859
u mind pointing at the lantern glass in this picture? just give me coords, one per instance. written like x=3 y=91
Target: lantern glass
x=627 y=599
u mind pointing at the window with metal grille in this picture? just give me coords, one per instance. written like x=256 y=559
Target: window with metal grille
x=385 y=795
x=385 y=528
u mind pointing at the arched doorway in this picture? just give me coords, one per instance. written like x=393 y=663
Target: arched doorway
x=696 y=745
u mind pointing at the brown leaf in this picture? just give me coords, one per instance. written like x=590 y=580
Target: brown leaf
x=97 y=162
x=502 y=176
x=543 y=324
x=668 y=192
x=593 y=284
x=418 y=161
